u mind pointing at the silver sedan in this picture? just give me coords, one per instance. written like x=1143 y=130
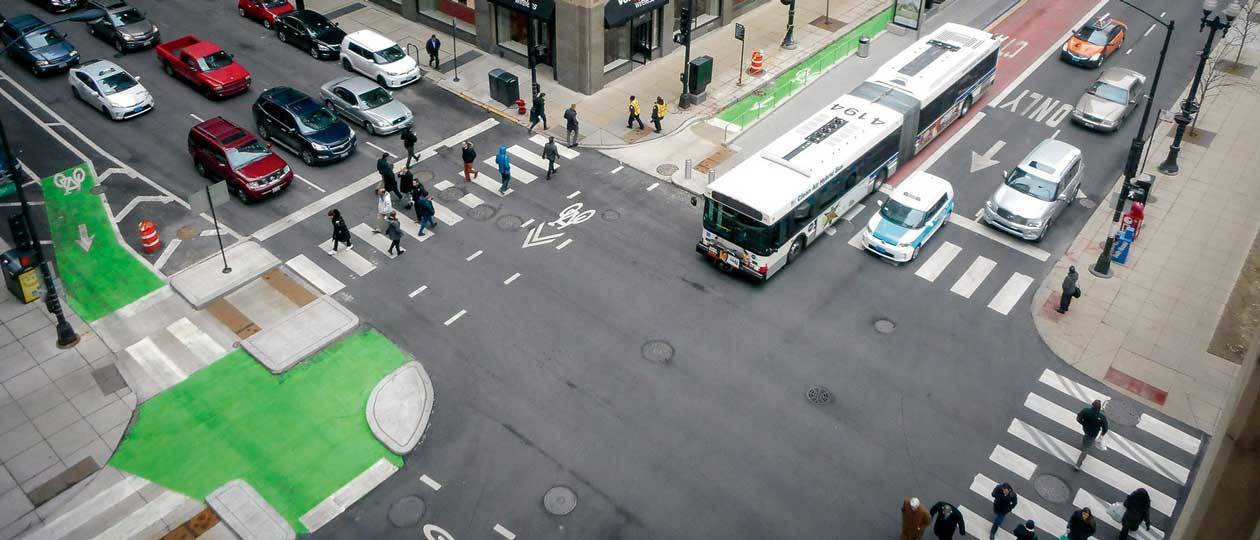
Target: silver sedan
x=1110 y=99
x=365 y=103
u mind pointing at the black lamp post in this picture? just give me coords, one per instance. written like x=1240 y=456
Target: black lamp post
x=788 y=42
x=66 y=336
x=683 y=37
x=1189 y=107
x=1102 y=267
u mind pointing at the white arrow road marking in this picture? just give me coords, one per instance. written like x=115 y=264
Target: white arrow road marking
x=980 y=162
x=166 y=253
x=535 y=237
x=760 y=104
x=85 y=239
x=110 y=172
x=131 y=205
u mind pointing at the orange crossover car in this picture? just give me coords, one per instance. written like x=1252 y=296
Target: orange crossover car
x=1093 y=43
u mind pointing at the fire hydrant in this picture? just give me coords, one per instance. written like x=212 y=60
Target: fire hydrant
x=520 y=106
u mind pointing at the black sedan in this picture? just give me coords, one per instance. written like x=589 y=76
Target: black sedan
x=310 y=31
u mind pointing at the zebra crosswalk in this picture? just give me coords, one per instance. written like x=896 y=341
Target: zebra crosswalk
x=1043 y=443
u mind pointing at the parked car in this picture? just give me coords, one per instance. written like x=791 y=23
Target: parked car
x=918 y=207
x=306 y=29
x=37 y=46
x=378 y=58
x=204 y=65
x=1093 y=43
x=59 y=6
x=297 y=122
x=224 y=151
x=1037 y=191
x=123 y=26
x=1110 y=100
x=263 y=10
x=107 y=87
x=367 y=104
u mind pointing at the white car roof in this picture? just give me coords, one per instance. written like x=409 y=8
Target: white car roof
x=99 y=69
x=921 y=190
x=371 y=40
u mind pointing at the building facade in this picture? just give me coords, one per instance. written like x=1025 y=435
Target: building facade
x=584 y=44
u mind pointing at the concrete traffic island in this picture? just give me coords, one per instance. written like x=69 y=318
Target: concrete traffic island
x=248 y=514
x=398 y=408
x=301 y=334
x=205 y=282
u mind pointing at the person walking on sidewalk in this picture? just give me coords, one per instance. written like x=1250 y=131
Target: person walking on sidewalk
x=388 y=181
x=1026 y=531
x=1094 y=424
x=571 y=125
x=341 y=233
x=432 y=46
x=505 y=168
x=1004 y=500
x=538 y=111
x=470 y=155
x=409 y=142
x=550 y=153
x=407 y=185
x=383 y=208
x=914 y=519
x=634 y=114
x=393 y=231
x=658 y=113
x=1070 y=290
x=424 y=211
x=1137 y=510
x=1081 y=525
x=948 y=520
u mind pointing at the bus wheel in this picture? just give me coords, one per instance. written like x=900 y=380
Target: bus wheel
x=797 y=247
x=966 y=107
x=879 y=180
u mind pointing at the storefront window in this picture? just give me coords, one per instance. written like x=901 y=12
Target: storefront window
x=616 y=46
x=463 y=12
x=512 y=33
x=703 y=12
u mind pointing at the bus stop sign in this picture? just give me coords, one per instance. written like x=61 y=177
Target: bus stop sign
x=739 y=31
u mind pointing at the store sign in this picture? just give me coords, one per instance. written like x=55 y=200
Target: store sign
x=908 y=13
x=539 y=9
x=617 y=12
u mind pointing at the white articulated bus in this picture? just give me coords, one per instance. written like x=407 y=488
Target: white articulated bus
x=762 y=214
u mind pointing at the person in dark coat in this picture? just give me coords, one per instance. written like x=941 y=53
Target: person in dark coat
x=432 y=46
x=1137 y=510
x=340 y=233
x=505 y=168
x=538 y=111
x=550 y=153
x=1070 y=290
x=1094 y=425
x=393 y=231
x=407 y=185
x=469 y=154
x=948 y=521
x=1081 y=525
x=388 y=180
x=424 y=211
x=1026 y=531
x=1004 y=500
x=409 y=142
x=571 y=125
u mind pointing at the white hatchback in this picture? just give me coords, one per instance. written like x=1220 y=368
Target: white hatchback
x=110 y=89
x=378 y=58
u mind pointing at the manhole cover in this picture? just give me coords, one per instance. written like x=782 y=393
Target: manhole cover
x=452 y=194
x=818 y=395
x=1087 y=203
x=187 y=232
x=97 y=189
x=406 y=512
x=1051 y=488
x=559 y=501
x=1122 y=412
x=610 y=215
x=658 y=351
x=508 y=222
x=885 y=326
x=483 y=212
x=667 y=169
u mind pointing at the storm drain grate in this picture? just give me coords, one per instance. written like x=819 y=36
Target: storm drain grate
x=610 y=215
x=818 y=395
x=406 y=512
x=885 y=326
x=560 y=501
x=658 y=351
x=1051 y=488
x=1122 y=412
x=667 y=169
x=508 y=222
x=187 y=232
x=483 y=212
x=452 y=193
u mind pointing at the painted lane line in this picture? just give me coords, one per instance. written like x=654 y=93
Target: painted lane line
x=1169 y=434
x=1149 y=30
x=565 y=152
x=131 y=205
x=371 y=238
x=1054 y=136
x=1162 y=13
x=856 y=240
x=1010 y=294
x=473 y=256
x=32 y=203
x=1013 y=462
x=417 y=291
x=940 y=259
x=982 y=524
x=509 y=281
x=433 y=484
x=527 y=223
x=984 y=230
x=315 y=275
x=1054 y=47
x=309 y=183
x=166 y=253
x=1085 y=499
x=530 y=157
x=973 y=277
x=209 y=232
x=1128 y=52
x=617 y=170
x=355 y=262
x=1072 y=388
x=455 y=317
x=563 y=244
x=444 y=185
x=195 y=117
x=1026 y=509
x=1115 y=441
x=471 y=201
x=853 y=212
x=574 y=194
x=504 y=532
x=653 y=186
x=444 y=214
x=931 y=160
x=386 y=152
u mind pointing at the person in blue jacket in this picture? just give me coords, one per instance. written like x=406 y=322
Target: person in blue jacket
x=505 y=168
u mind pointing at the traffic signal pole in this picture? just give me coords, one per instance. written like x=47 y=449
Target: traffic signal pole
x=684 y=37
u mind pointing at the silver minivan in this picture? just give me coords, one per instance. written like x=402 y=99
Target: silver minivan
x=1036 y=192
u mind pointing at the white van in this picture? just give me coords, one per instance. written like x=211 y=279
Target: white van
x=378 y=58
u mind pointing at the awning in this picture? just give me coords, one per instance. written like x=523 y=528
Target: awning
x=540 y=9
x=617 y=12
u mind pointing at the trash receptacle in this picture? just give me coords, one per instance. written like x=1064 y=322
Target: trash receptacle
x=21 y=276
x=699 y=74
x=864 y=47
x=504 y=88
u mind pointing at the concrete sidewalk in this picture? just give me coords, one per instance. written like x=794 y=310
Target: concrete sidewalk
x=1147 y=330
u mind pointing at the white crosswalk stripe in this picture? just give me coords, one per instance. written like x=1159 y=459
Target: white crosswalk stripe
x=471 y=201
x=973 y=277
x=374 y=239
x=1010 y=294
x=1072 y=388
x=1169 y=434
x=491 y=186
x=564 y=151
x=315 y=275
x=979 y=524
x=1013 y=462
x=530 y=157
x=518 y=173
x=936 y=263
x=444 y=214
x=355 y=262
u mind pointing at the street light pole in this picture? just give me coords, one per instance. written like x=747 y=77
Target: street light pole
x=1189 y=107
x=684 y=37
x=788 y=42
x=1102 y=267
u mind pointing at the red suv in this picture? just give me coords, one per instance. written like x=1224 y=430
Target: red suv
x=222 y=150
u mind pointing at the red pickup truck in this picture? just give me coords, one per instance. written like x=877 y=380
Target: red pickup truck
x=204 y=65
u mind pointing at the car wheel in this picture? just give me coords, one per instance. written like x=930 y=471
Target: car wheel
x=280 y=36
x=168 y=69
x=241 y=11
x=267 y=24
x=242 y=196
x=314 y=52
x=1045 y=230
x=345 y=63
x=308 y=157
x=263 y=133
x=105 y=110
x=120 y=46
x=367 y=126
x=798 y=246
x=201 y=169
x=74 y=91
x=380 y=79
x=966 y=107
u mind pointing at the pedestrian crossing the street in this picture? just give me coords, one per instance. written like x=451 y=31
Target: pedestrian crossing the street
x=1043 y=444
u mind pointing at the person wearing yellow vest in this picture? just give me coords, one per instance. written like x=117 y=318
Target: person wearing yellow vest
x=658 y=113
x=634 y=114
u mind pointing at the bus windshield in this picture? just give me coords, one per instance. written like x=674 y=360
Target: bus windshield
x=744 y=231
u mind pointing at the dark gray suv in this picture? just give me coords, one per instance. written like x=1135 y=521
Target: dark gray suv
x=123 y=26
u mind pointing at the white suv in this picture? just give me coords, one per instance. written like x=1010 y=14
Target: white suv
x=378 y=58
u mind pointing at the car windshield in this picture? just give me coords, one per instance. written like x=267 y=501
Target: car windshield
x=43 y=38
x=247 y=153
x=116 y=83
x=1093 y=35
x=375 y=98
x=315 y=118
x=214 y=61
x=744 y=231
x=893 y=211
x=390 y=55
x=1110 y=92
x=1031 y=185
x=130 y=16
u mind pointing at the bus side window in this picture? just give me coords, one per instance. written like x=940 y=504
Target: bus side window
x=851 y=182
